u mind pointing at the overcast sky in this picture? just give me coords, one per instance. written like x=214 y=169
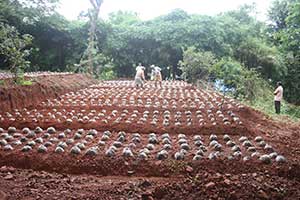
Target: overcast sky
x=148 y=9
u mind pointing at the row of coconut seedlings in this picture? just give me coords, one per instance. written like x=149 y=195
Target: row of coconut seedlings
x=148 y=103
x=93 y=116
x=253 y=151
x=122 y=84
x=153 y=140
x=33 y=138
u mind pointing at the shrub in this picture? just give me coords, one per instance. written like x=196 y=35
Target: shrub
x=195 y=64
x=107 y=74
x=245 y=83
x=13 y=46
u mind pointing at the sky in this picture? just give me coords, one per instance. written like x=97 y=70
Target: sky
x=148 y=9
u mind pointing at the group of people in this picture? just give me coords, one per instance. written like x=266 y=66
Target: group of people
x=156 y=76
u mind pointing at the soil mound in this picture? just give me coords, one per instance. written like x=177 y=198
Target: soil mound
x=43 y=87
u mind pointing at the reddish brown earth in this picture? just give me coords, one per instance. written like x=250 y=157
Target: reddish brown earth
x=15 y=96
x=35 y=175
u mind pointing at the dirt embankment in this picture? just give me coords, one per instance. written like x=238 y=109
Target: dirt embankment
x=44 y=87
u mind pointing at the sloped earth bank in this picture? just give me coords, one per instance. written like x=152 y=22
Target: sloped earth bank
x=43 y=87
x=32 y=175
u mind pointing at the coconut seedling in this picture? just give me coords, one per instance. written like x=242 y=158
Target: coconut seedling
x=150 y=147
x=198 y=143
x=26 y=148
x=61 y=135
x=213 y=137
x=258 y=139
x=54 y=140
x=179 y=155
x=117 y=144
x=235 y=148
x=51 y=130
x=262 y=144
x=8 y=147
x=39 y=140
x=237 y=154
x=62 y=144
x=268 y=148
x=42 y=149
x=243 y=139
x=31 y=134
x=127 y=152
x=16 y=143
x=31 y=143
x=162 y=155
x=213 y=156
x=273 y=155
x=152 y=139
x=280 y=159
x=80 y=145
x=226 y=138
x=185 y=146
x=92 y=151
x=230 y=143
x=266 y=159
x=111 y=151
x=166 y=141
x=75 y=150
x=48 y=144
x=25 y=131
x=9 y=138
x=251 y=149
x=11 y=130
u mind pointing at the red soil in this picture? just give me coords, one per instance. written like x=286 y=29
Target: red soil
x=34 y=175
x=44 y=87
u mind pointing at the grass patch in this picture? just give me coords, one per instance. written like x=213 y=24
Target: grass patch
x=266 y=105
x=1 y=82
x=26 y=82
x=22 y=81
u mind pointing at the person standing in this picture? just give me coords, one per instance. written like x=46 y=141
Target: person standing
x=156 y=75
x=278 y=94
x=139 y=76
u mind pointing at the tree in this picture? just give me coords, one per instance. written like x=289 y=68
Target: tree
x=255 y=53
x=278 y=13
x=285 y=31
x=52 y=43
x=196 y=64
x=13 y=46
x=92 y=49
x=19 y=12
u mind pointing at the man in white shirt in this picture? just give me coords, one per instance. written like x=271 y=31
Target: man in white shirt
x=278 y=94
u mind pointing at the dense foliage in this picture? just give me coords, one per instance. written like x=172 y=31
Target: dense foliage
x=196 y=65
x=13 y=48
x=285 y=30
x=233 y=46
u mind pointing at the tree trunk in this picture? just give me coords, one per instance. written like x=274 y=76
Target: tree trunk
x=93 y=18
x=91 y=46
